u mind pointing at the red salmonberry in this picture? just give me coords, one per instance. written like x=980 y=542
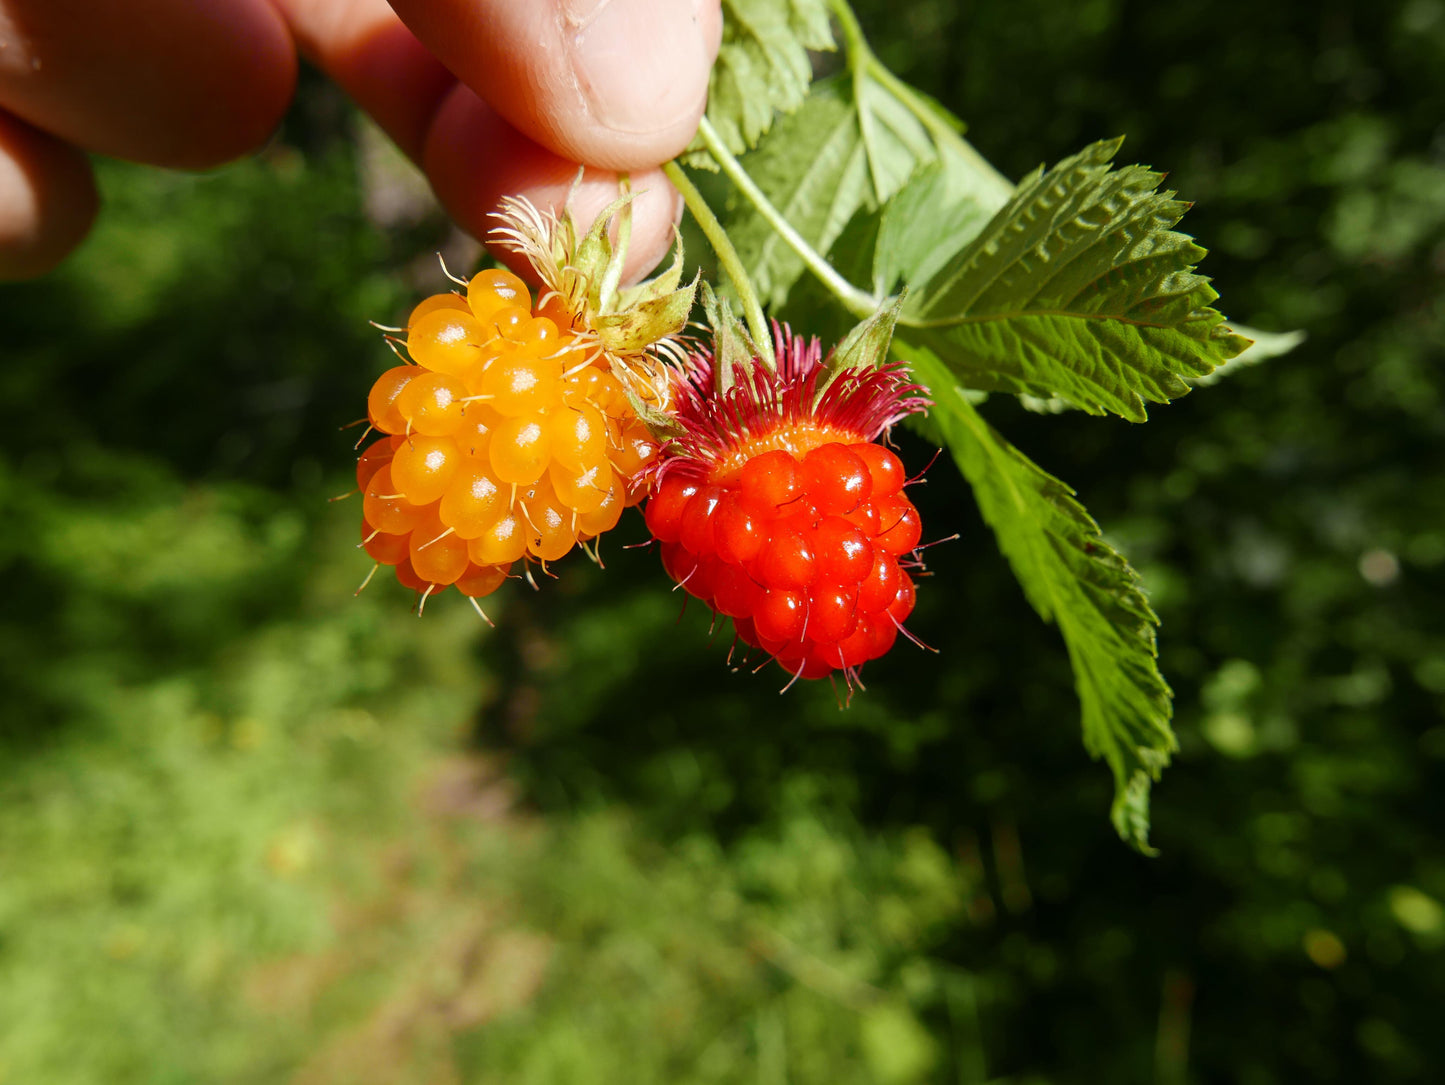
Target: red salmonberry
x=778 y=508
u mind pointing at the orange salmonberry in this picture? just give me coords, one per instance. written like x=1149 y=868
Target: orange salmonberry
x=513 y=434
x=508 y=439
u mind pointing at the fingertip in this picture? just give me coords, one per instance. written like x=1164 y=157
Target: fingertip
x=233 y=97
x=369 y=52
x=48 y=200
x=618 y=84
x=474 y=158
x=168 y=82
x=641 y=69
x=710 y=22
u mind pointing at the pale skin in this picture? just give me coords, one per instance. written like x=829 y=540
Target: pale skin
x=489 y=97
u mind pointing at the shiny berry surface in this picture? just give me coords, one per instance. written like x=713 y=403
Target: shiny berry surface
x=508 y=440
x=377 y=455
x=802 y=552
x=381 y=408
x=423 y=467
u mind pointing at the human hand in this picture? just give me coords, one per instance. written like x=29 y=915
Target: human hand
x=544 y=85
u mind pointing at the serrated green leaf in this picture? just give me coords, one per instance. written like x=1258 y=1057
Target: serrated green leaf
x=1262 y=347
x=893 y=137
x=762 y=68
x=851 y=147
x=814 y=170
x=1073 y=578
x=926 y=223
x=1078 y=288
x=827 y=162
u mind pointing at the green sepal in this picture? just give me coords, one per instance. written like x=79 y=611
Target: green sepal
x=653 y=316
x=586 y=272
x=628 y=321
x=865 y=347
x=597 y=258
x=662 y=425
x=733 y=347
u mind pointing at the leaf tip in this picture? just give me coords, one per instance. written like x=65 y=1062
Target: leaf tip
x=1130 y=813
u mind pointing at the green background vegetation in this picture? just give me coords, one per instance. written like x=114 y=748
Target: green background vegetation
x=253 y=830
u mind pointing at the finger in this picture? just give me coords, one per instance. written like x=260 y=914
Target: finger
x=364 y=47
x=614 y=83
x=474 y=158
x=47 y=199
x=170 y=82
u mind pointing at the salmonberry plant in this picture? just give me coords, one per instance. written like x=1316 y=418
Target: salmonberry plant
x=521 y=426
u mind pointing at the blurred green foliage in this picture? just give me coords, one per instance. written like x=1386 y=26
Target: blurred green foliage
x=252 y=829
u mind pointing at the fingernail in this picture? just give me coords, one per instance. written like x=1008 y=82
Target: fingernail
x=641 y=64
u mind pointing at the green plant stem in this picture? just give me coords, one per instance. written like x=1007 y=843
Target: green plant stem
x=727 y=256
x=860 y=304
x=862 y=61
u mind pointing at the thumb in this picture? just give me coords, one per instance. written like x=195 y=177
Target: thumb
x=613 y=83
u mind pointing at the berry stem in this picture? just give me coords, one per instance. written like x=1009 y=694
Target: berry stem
x=728 y=257
x=860 y=304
